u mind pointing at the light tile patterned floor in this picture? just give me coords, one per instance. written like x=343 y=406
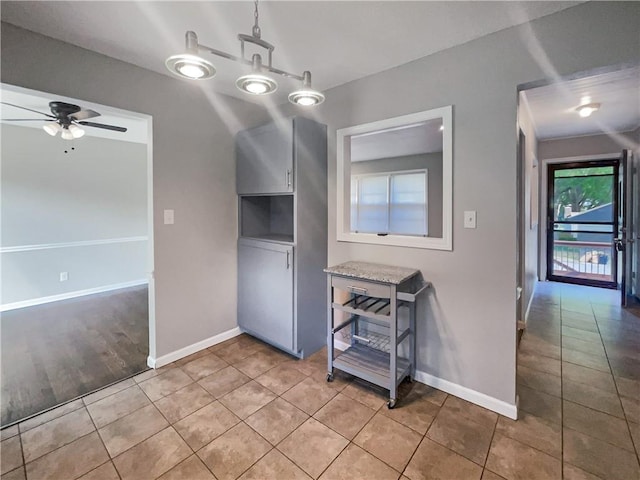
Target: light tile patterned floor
x=244 y=410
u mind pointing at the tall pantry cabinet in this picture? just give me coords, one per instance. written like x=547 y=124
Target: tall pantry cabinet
x=281 y=181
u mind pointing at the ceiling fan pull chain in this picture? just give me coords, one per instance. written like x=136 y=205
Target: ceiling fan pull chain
x=256 y=28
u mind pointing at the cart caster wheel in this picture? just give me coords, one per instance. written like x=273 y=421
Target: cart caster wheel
x=391 y=403
x=329 y=377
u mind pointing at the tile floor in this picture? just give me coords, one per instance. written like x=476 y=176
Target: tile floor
x=244 y=410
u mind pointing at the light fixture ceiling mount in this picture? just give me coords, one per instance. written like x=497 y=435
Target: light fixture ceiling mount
x=587 y=109
x=192 y=66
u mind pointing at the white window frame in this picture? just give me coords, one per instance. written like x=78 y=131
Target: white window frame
x=343 y=183
x=389 y=175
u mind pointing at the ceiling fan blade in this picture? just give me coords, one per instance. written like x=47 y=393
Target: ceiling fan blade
x=84 y=114
x=27 y=109
x=102 y=125
x=25 y=120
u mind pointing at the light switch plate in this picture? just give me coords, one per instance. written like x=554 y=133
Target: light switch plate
x=168 y=217
x=470 y=219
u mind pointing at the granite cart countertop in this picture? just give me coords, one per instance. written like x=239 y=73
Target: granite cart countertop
x=373 y=272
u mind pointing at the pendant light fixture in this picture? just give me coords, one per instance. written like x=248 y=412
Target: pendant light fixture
x=192 y=66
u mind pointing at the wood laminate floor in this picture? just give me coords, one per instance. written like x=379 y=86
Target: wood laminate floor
x=58 y=351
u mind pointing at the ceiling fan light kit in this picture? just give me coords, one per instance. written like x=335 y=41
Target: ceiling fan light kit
x=192 y=66
x=65 y=118
x=52 y=128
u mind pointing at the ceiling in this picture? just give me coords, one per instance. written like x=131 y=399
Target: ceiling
x=553 y=107
x=423 y=137
x=137 y=128
x=337 y=41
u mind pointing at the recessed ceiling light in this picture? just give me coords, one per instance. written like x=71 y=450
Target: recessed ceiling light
x=586 y=110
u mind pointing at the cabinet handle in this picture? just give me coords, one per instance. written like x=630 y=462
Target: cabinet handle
x=359 y=290
x=288 y=177
x=288 y=263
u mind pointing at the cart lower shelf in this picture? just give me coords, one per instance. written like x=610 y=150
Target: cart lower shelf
x=371 y=365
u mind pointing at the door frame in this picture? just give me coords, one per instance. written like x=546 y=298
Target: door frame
x=580 y=161
x=150 y=230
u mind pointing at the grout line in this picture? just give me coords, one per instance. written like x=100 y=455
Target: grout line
x=56 y=449
x=519 y=440
x=99 y=466
x=60 y=446
x=24 y=463
x=19 y=422
x=624 y=413
x=101 y=441
x=493 y=434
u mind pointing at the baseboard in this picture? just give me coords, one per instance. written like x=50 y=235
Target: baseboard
x=481 y=399
x=473 y=396
x=66 y=296
x=191 y=349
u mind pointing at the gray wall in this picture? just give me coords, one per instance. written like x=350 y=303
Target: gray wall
x=96 y=192
x=531 y=183
x=194 y=173
x=467 y=328
x=432 y=162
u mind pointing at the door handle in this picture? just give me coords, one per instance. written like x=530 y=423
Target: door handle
x=288 y=178
x=288 y=262
x=619 y=244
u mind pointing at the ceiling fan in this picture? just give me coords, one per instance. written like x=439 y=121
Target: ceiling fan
x=65 y=118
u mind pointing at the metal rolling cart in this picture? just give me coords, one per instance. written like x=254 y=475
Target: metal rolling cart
x=373 y=295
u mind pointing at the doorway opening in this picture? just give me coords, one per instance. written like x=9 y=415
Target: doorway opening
x=582 y=202
x=77 y=296
x=578 y=181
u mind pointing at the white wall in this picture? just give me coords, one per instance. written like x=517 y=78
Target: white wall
x=49 y=198
x=467 y=328
x=194 y=174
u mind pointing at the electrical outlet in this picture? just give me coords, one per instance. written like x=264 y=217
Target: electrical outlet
x=470 y=219
x=64 y=276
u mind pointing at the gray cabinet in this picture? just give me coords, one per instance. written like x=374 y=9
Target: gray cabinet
x=282 y=246
x=264 y=159
x=265 y=290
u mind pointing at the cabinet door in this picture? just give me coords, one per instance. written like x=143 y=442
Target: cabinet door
x=265 y=291
x=264 y=159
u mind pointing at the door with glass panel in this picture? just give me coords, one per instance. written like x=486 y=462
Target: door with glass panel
x=582 y=223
